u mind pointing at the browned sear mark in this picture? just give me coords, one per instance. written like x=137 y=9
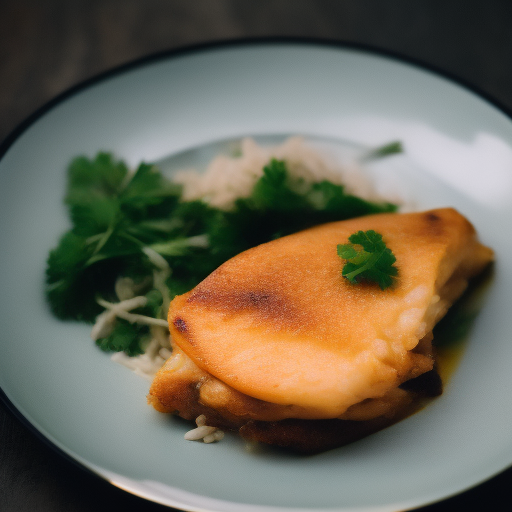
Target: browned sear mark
x=180 y=324
x=432 y=217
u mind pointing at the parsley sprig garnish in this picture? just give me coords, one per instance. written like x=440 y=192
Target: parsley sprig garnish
x=368 y=259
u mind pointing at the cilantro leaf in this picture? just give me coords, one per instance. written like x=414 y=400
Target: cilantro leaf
x=113 y=214
x=93 y=217
x=125 y=337
x=88 y=180
x=72 y=284
x=368 y=259
x=148 y=195
x=281 y=204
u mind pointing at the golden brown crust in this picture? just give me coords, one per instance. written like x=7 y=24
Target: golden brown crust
x=275 y=339
x=182 y=394
x=278 y=322
x=189 y=393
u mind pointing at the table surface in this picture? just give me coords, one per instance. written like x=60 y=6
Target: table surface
x=47 y=47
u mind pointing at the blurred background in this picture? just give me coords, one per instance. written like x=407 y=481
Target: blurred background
x=51 y=45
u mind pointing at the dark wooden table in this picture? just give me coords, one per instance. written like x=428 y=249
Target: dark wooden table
x=47 y=47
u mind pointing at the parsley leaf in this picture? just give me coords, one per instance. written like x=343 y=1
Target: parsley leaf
x=368 y=259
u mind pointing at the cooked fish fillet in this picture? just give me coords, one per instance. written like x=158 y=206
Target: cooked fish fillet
x=276 y=333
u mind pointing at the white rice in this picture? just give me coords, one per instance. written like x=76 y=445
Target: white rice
x=229 y=177
x=203 y=432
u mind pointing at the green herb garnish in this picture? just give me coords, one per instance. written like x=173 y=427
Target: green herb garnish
x=136 y=226
x=368 y=259
x=391 y=148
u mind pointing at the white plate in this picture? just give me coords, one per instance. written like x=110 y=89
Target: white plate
x=458 y=153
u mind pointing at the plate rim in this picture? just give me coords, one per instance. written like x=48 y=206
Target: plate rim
x=203 y=48
x=206 y=46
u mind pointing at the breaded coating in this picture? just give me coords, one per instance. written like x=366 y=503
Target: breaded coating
x=276 y=333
